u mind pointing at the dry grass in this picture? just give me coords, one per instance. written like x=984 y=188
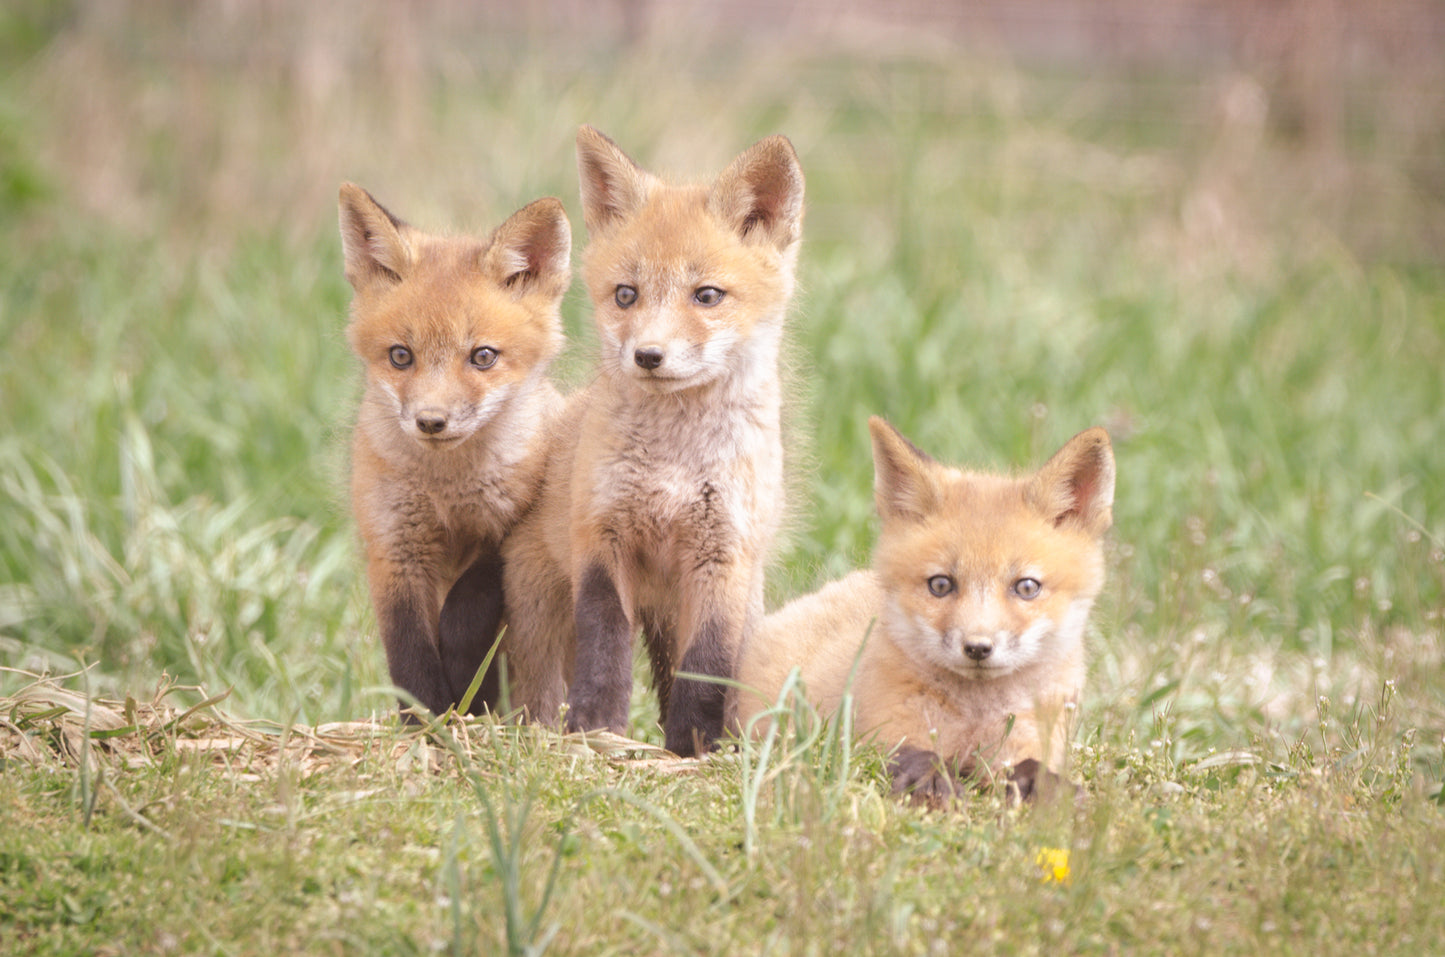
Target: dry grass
x=48 y=726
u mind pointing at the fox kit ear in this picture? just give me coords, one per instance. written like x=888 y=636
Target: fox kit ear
x=532 y=250
x=1077 y=484
x=904 y=482
x=612 y=186
x=371 y=239
x=761 y=193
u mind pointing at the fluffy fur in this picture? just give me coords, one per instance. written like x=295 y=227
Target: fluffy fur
x=665 y=485
x=455 y=335
x=977 y=603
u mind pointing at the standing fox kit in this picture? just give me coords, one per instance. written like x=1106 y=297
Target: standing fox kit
x=977 y=602
x=455 y=335
x=666 y=484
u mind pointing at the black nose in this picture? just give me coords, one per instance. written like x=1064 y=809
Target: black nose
x=431 y=423
x=978 y=650
x=648 y=357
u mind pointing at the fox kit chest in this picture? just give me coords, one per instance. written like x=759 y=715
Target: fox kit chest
x=446 y=504
x=668 y=478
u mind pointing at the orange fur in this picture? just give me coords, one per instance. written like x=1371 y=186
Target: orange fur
x=977 y=604
x=665 y=483
x=455 y=335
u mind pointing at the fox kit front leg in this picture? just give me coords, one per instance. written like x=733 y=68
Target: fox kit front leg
x=406 y=607
x=601 y=694
x=716 y=607
x=717 y=611
x=470 y=616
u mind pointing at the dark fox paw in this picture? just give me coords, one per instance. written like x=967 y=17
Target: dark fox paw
x=589 y=712
x=927 y=779
x=1030 y=781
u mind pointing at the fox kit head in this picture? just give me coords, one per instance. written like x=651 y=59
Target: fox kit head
x=686 y=279
x=450 y=327
x=986 y=575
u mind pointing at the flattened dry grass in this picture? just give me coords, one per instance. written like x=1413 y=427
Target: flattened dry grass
x=48 y=725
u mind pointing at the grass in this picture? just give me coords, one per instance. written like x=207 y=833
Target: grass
x=369 y=837
x=996 y=257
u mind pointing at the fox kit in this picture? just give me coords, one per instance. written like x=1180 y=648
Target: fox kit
x=455 y=335
x=666 y=484
x=977 y=602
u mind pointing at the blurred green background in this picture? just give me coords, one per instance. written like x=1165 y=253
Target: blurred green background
x=1216 y=228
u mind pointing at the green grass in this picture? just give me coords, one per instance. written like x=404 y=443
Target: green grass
x=995 y=258
x=252 y=838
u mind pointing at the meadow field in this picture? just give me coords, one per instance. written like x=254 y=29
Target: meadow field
x=196 y=751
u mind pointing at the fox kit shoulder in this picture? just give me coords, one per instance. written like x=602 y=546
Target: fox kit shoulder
x=977 y=602
x=661 y=508
x=455 y=335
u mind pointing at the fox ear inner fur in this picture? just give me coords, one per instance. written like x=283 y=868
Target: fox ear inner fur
x=904 y=486
x=532 y=250
x=371 y=239
x=761 y=193
x=1077 y=484
x=612 y=185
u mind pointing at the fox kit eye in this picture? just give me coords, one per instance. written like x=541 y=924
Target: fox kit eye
x=708 y=296
x=1027 y=588
x=484 y=357
x=401 y=357
x=625 y=296
x=940 y=586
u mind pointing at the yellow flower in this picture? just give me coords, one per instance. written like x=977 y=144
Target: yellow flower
x=1054 y=863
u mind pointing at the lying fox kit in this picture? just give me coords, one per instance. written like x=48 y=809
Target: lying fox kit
x=978 y=600
x=666 y=485
x=455 y=335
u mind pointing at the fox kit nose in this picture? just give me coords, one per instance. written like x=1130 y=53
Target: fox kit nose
x=648 y=357
x=431 y=422
x=978 y=650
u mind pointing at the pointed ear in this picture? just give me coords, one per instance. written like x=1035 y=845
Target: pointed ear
x=531 y=251
x=371 y=239
x=612 y=186
x=905 y=483
x=761 y=194
x=1077 y=484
